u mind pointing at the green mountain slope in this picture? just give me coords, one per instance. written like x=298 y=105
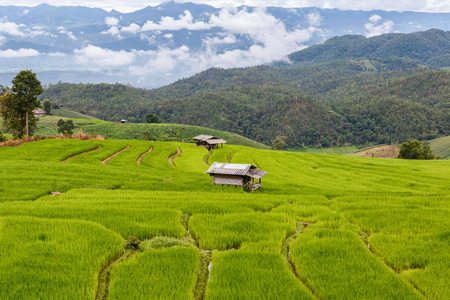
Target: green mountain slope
x=429 y=48
x=332 y=100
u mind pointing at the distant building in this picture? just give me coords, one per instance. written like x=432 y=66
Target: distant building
x=39 y=112
x=209 y=141
x=243 y=175
x=123 y=121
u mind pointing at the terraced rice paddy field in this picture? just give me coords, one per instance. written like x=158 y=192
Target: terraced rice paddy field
x=322 y=227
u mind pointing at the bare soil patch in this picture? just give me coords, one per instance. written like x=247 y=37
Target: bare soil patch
x=173 y=157
x=114 y=155
x=98 y=148
x=143 y=155
x=387 y=151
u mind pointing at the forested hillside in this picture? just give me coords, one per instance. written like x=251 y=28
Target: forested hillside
x=431 y=48
x=369 y=98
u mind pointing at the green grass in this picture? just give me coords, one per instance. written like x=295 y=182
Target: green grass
x=343 y=204
x=246 y=275
x=223 y=232
x=347 y=150
x=53 y=259
x=65 y=113
x=165 y=132
x=47 y=125
x=157 y=274
x=337 y=265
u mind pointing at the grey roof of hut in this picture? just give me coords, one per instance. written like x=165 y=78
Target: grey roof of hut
x=210 y=139
x=236 y=169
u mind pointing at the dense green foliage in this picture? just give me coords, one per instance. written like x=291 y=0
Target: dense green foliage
x=109 y=102
x=396 y=49
x=47 y=106
x=333 y=104
x=413 y=149
x=2 y=136
x=152 y=118
x=16 y=108
x=65 y=127
x=342 y=220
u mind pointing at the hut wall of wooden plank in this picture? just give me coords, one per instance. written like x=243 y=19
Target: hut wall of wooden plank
x=209 y=141
x=244 y=175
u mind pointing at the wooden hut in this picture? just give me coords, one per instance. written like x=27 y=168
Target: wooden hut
x=209 y=141
x=39 y=113
x=243 y=175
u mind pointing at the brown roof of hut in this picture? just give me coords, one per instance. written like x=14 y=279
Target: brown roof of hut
x=209 y=139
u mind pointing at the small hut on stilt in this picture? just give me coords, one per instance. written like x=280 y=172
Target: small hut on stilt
x=209 y=141
x=244 y=175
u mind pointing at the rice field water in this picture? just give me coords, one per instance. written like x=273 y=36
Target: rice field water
x=323 y=226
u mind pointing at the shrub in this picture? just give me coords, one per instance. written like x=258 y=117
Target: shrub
x=414 y=149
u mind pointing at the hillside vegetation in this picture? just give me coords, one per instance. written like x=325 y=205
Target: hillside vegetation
x=165 y=132
x=319 y=224
x=441 y=147
x=389 y=51
x=360 y=97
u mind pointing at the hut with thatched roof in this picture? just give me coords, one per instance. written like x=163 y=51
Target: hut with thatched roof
x=244 y=175
x=209 y=141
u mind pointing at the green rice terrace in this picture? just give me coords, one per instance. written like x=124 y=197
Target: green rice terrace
x=130 y=219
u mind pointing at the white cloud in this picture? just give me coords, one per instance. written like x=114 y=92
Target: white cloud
x=114 y=31
x=18 y=53
x=25 y=12
x=227 y=39
x=272 y=41
x=375 y=19
x=132 y=28
x=10 y=28
x=374 y=27
x=71 y=36
x=111 y=21
x=96 y=56
x=57 y=54
x=164 y=60
x=183 y=22
x=314 y=19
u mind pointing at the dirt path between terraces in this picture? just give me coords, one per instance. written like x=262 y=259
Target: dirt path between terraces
x=173 y=157
x=114 y=155
x=98 y=148
x=143 y=155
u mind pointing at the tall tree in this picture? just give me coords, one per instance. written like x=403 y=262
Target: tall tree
x=47 y=106
x=26 y=88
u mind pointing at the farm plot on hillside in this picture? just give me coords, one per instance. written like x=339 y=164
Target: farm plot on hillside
x=320 y=226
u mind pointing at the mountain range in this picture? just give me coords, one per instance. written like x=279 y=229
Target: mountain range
x=158 y=45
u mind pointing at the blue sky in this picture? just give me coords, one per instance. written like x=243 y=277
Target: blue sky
x=128 y=6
